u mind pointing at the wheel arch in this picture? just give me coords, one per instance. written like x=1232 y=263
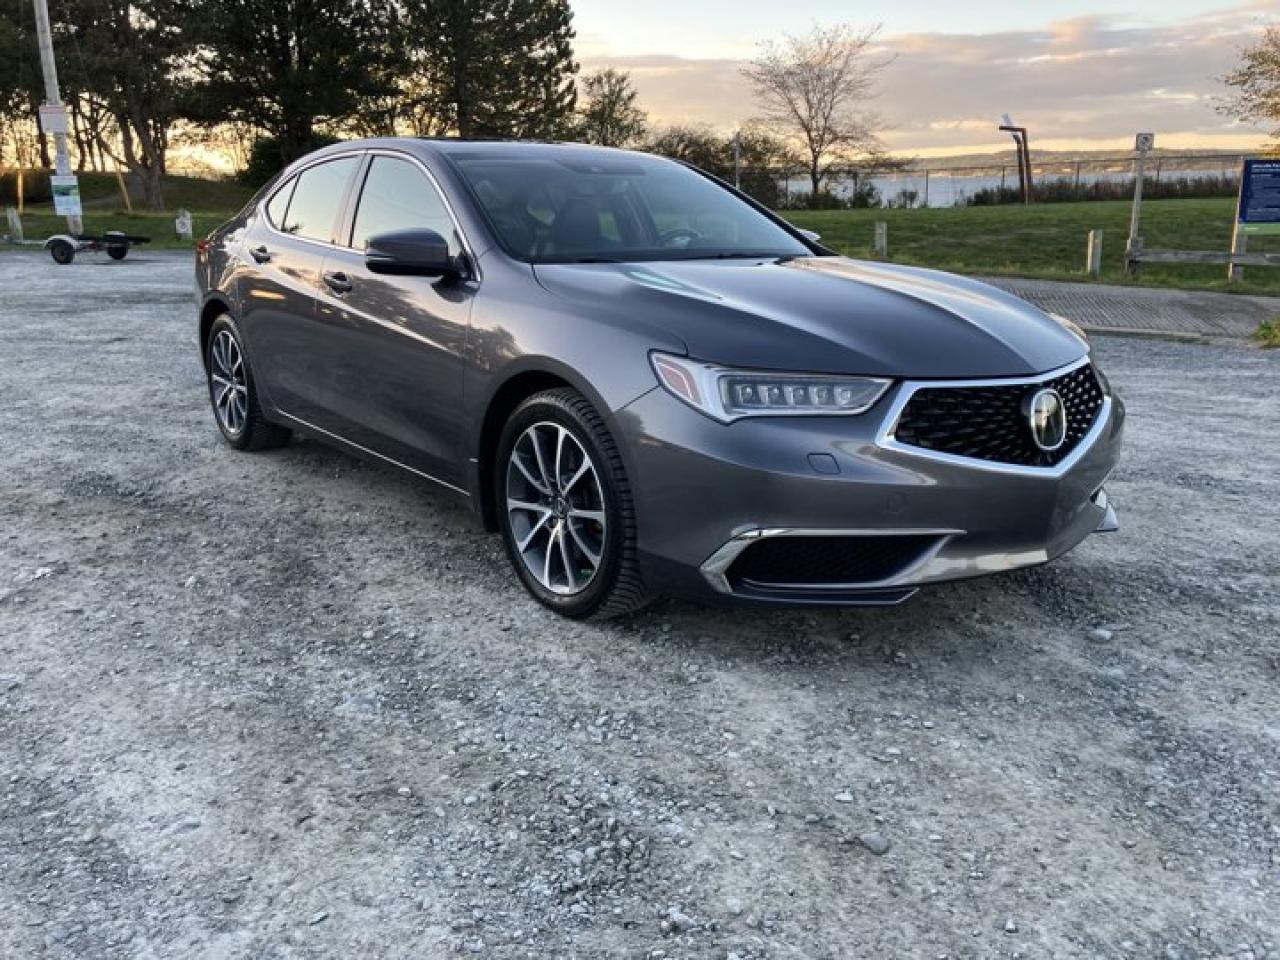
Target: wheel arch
x=214 y=307
x=510 y=394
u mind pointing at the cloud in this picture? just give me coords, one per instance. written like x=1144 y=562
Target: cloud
x=1075 y=81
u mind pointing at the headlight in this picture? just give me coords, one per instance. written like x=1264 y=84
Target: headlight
x=1071 y=325
x=728 y=394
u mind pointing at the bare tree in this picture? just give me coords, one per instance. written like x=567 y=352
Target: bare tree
x=1256 y=83
x=814 y=88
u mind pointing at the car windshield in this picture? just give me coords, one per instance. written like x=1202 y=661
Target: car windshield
x=597 y=208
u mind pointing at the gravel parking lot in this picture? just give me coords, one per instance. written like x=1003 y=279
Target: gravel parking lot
x=294 y=705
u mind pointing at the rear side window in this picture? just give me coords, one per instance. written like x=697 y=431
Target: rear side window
x=398 y=196
x=279 y=204
x=317 y=199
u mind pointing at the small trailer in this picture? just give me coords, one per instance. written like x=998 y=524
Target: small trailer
x=63 y=247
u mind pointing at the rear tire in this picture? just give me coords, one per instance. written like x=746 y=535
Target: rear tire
x=565 y=508
x=234 y=393
x=62 y=251
x=117 y=251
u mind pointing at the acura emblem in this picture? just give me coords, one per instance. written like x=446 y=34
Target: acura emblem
x=1047 y=417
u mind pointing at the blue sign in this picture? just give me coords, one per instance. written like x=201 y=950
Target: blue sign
x=1259 y=210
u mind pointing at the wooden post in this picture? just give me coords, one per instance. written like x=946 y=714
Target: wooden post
x=1143 y=143
x=1093 y=256
x=881 y=242
x=124 y=191
x=21 y=202
x=15 y=225
x=926 y=186
x=1239 y=241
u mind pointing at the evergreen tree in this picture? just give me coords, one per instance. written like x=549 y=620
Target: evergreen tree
x=490 y=68
x=287 y=67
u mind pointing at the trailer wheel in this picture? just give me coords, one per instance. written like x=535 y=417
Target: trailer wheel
x=117 y=251
x=62 y=251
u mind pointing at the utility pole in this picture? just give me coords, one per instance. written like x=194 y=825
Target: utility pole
x=53 y=116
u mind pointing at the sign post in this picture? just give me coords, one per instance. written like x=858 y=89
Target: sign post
x=1257 y=209
x=1142 y=144
x=53 y=118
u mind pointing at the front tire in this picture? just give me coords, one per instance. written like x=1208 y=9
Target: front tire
x=565 y=508
x=234 y=394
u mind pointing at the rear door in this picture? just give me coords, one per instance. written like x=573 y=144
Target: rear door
x=280 y=302
x=400 y=373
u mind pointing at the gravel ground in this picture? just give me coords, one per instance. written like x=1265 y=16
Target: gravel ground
x=294 y=705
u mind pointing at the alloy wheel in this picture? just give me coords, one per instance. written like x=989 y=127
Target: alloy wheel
x=228 y=383
x=555 y=506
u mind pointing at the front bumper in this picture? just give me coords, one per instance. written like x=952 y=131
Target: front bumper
x=707 y=492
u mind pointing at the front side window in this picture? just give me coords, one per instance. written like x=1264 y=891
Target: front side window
x=317 y=199
x=398 y=196
x=583 y=208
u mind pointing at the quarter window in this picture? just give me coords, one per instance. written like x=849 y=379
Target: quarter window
x=279 y=204
x=317 y=199
x=398 y=196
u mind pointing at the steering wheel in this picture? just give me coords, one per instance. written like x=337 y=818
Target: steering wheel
x=670 y=238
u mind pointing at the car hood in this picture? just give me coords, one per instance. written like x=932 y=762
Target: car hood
x=828 y=315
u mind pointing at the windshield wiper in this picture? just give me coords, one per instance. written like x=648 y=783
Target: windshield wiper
x=742 y=255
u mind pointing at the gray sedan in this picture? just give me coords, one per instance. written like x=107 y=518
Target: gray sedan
x=647 y=382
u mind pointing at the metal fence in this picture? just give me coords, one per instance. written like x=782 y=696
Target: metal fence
x=947 y=186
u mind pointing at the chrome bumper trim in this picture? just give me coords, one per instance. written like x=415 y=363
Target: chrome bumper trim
x=716 y=566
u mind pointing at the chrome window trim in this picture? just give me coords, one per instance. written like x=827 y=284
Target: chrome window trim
x=358 y=155
x=370 y=152
x=467 y=247
x=716 y=566
x=886 y=440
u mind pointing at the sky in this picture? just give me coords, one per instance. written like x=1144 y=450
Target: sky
x=1080 y=74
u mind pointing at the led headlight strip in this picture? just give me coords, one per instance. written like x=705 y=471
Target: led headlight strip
x=728 y=394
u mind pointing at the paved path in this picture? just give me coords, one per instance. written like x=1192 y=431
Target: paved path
x=1147 y=309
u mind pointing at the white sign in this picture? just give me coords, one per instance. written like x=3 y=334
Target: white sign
x=1144 y=142
x=66 y=196
x=53 y=118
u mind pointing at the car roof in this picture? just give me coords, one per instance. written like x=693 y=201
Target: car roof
x=523 y=149
x=457 y=147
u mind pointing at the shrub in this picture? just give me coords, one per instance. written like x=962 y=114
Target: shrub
x=1065 y=190
x=266 y=159
x=35 y=187
x=1269 y=333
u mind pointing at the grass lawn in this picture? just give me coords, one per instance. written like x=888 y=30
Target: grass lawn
x=211 y=203
x=1048 y=240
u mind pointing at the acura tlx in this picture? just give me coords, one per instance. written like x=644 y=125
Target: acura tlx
x=649 y=383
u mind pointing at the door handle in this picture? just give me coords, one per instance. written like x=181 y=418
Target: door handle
x=260 y=254
x=337 y=281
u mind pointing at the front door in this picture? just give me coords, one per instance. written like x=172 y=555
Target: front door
x=400 y=339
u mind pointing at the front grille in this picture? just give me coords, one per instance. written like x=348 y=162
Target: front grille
x=780 y=561
x=988 y=423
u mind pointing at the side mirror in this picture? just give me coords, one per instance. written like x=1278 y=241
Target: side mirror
x=811 y=235
x=418 y=252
